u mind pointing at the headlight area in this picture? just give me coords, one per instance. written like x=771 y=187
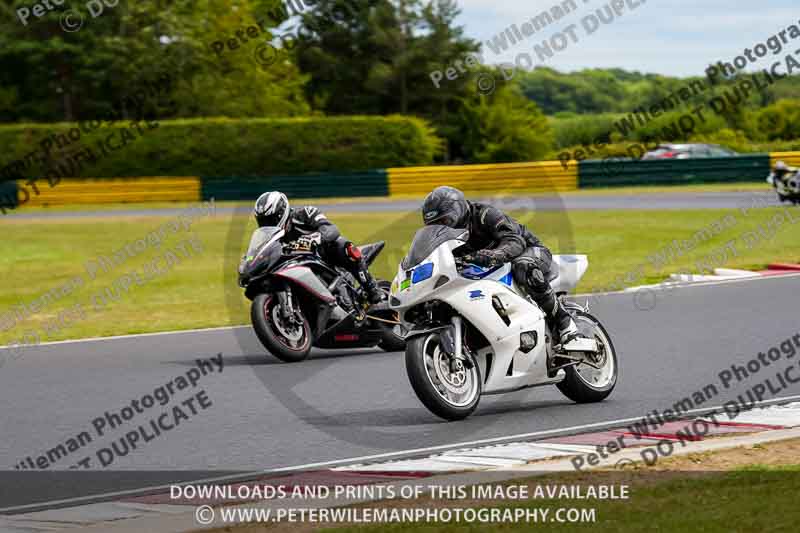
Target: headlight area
x=413 y=276
x=422 y=272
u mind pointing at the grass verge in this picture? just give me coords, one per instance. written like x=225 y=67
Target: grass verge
x=625 y=248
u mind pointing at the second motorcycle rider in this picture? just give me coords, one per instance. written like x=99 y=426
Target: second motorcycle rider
x=308 y=227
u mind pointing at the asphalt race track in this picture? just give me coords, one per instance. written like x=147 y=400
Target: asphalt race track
x=338 y=406
x=551 y=202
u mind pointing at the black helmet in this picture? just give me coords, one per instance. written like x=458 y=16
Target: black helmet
x=445 y=206
x=272 y=209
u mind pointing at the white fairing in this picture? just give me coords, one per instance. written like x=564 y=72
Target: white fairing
x=788 y=185
x=570 y=271
x=472 y=299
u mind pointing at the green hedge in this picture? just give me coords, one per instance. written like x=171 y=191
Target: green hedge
x=222 y=147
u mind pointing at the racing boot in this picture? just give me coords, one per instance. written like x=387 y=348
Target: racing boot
x=373 y=294
x=569 y=337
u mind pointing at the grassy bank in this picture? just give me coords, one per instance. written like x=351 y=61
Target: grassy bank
x=40 y=255
x=750 y=500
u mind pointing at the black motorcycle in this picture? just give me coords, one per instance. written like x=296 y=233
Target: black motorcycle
x=300 y=301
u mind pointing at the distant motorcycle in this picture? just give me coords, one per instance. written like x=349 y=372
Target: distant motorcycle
x=300 y=301
x=472 y=331
x=786 y=182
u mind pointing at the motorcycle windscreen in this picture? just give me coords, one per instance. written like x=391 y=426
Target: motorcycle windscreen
x=264 y=249
x=429 y=239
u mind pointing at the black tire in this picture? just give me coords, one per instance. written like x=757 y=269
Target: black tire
x=576 y=388
x=272 y=340
x=425 y=390
x=390 y=341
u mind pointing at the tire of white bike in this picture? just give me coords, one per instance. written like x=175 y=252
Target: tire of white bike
x=424 y=388
x=578 y=389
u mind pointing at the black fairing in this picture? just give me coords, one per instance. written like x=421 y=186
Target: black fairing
x=371 y=251
x=265 y=257
x=263 y=252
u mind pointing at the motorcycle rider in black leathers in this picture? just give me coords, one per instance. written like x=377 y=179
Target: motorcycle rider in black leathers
x=308 y=227
x=495 y=238
x=782 y=171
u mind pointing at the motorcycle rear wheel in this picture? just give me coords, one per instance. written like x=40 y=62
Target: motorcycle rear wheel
x=585 y=384
x=434 y=382
x=289 y=344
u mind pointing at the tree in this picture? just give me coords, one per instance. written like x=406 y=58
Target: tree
x=504 y=127
x=780 y=121
x=49 y=74
x=378 y=58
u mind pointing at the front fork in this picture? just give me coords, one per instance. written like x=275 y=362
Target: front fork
x=452 y=341
x=285 y=301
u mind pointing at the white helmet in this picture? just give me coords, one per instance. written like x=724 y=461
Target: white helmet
x=272 y=209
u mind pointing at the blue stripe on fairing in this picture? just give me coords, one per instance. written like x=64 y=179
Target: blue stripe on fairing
x=506 y=279
x=476 y=272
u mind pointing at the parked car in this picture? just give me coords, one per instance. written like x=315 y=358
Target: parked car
x=688 y=151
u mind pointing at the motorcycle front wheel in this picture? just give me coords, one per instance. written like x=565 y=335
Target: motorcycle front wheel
x=445 y=386
x=289 y=342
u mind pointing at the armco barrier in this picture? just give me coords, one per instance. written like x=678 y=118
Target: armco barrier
x=673 y=171
x=532 y=177
x=111 y=190
x=790 y=158
x=538 y=176
x=8 y=195
x=366 y=183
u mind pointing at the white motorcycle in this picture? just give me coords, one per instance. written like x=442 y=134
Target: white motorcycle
x=787 y=186
x=472 y=331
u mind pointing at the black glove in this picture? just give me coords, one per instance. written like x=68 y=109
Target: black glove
x=490 y=258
